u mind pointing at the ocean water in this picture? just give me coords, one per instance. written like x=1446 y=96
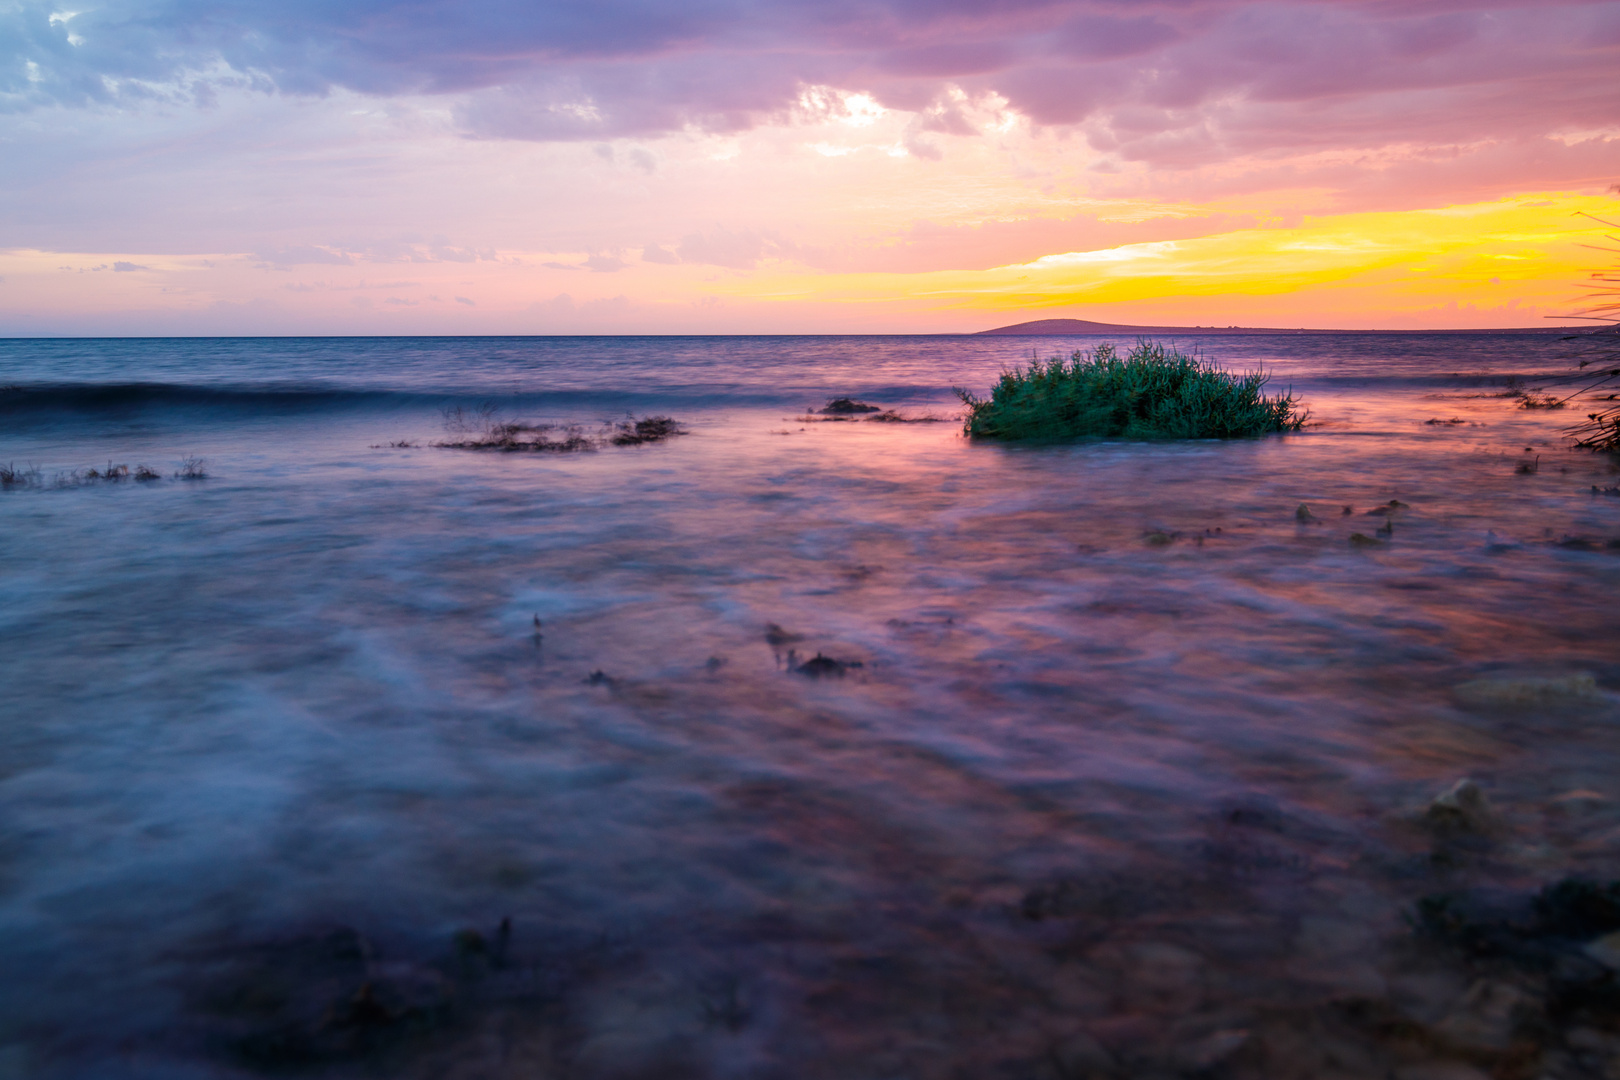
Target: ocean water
x=1121 y=770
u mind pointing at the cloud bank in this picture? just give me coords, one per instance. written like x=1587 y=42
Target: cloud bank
x=1172 y=84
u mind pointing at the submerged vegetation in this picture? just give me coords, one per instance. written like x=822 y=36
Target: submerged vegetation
x=481 y=429
x=1152 y=392
x=31 y=476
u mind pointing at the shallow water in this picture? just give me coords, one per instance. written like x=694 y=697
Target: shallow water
x=1125 y=782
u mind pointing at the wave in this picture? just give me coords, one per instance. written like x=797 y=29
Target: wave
x=43 y=398
x=798 y=391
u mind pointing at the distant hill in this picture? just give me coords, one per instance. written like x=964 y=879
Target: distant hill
x=1084 y=326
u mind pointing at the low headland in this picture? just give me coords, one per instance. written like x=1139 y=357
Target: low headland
x=1062 y=327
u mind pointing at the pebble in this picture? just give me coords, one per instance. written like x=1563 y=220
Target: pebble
x=1081 y=1055
x=1463 y=807
x=1487 y=1016
x=1606 y=950
x=1212 y=1049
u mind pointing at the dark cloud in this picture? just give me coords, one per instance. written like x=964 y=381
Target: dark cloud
x=1163 y=81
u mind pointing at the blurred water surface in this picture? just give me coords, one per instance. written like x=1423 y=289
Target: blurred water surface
x=1123 y=756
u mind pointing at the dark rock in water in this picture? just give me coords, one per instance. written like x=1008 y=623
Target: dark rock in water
x=1580 y=909
x=1462 y=808
x=1543 y=977
x=822 y=667
x=1388 y=508
x=845 y=406
x=599 y=678
x=646 y=430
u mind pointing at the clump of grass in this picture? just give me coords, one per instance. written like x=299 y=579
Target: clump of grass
x=112 y=474
x=1597 y=355
x=1152 y=392
x=192 y=468
x=13 y=477
x=32 y=477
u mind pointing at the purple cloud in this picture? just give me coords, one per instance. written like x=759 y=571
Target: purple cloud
x=1169 y=82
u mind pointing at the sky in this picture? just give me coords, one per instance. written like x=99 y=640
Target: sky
x=799 y=166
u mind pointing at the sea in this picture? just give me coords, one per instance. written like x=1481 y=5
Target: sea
x=796 y=744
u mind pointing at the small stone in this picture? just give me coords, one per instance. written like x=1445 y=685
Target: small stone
x=1487 y=1016
x=1606 y=950
x=824 y=667
x=1080 y=1055
x=1213 y=1049
x=1304 y=513
x=1462 y=807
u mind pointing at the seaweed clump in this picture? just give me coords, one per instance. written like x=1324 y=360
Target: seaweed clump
x=481 y=429
x=1152 y=392
x=646 y=430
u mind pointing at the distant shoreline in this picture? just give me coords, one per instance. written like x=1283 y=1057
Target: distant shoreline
x=1058 y=327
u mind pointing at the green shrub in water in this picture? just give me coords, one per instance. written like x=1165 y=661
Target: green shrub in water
x=1150 y=393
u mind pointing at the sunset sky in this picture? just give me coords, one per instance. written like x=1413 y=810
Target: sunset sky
x=798 y=166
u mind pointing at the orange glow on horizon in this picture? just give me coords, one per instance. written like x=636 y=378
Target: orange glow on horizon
x=1508 y=262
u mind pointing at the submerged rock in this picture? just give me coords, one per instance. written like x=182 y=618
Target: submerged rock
x=824 y=667
x=1529 y=691
x=1606 y=950
x=1461 y=808
x=1488 y=1016
x=847 y=406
